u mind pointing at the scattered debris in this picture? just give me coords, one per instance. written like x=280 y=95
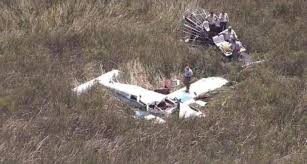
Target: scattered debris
x=198 y=27
x=168 y=86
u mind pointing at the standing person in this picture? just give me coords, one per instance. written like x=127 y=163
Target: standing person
x=224 y=20
x=218 y=27
x=188 y=73
x=211 y=19
x=236 y=48
x=229 y=34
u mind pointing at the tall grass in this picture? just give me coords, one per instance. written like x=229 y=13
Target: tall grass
x=48 y=47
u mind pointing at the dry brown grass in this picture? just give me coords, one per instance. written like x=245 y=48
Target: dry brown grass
x=47 y=47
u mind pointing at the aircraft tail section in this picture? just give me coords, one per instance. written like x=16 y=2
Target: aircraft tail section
x=105 y=80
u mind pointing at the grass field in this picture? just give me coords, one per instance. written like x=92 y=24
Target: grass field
x=47 y=47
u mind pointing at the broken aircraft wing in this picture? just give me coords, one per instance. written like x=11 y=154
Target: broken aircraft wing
x=104 y=79
x=197 y=88
x=109 y=80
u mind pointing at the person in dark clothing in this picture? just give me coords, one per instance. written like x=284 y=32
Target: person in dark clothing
x=212 y=19
x=224 y=19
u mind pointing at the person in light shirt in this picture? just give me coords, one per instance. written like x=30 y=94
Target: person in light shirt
x=212 y=19
x=229 y=34
x=236 y=46
x=188 y=73
x=218 y=27
x=224 y=19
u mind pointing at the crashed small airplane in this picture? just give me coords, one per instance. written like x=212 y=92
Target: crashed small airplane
x=150 y=105
x=194 y=29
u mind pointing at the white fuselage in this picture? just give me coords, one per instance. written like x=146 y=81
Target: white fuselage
x=149 y=104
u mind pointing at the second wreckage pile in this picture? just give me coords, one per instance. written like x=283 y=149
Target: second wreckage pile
x=201 y=28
